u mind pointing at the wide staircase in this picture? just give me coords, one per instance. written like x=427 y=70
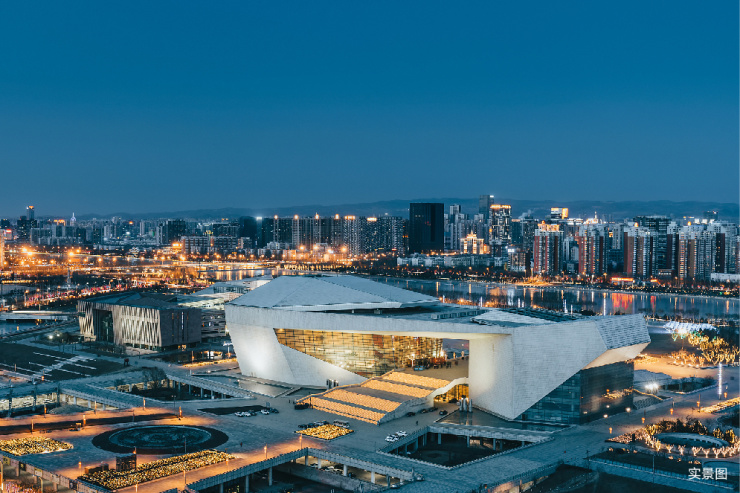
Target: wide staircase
x=380 y=399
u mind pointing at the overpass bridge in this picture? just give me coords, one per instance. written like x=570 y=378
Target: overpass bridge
x=26 y=315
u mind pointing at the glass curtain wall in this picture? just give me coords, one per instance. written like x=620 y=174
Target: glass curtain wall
x=368 y=355
x=587 y=395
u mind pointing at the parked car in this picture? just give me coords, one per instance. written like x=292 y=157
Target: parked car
x=264 y=411
x=443 y=412
x=274 y=411
x=410 y=413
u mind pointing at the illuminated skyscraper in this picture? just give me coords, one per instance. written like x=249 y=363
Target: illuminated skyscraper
x=500 y=223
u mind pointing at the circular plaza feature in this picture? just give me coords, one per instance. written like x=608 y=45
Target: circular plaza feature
x=691 y=440
x=160 y=439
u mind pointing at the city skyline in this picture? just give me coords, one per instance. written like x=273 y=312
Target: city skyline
x=126 y=109
x=614 y=209
x=242 y=243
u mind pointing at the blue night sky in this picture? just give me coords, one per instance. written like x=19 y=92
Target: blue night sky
x=162 y=106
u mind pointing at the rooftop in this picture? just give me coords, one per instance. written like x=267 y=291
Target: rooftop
x=331 y=293
x=148 y=300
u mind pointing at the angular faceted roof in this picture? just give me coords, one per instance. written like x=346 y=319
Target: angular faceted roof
x=331 y=293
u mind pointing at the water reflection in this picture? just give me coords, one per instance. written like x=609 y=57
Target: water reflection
x=653 y=304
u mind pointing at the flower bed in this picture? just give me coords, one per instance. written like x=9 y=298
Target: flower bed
x=32 y=445
x=326 y=432
x=721 y=406
x=150 y=471
x=648 y=437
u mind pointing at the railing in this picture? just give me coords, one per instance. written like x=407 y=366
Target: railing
x=58 y=479
x=293 y=455
x=106 y=396
x=537 y=472
x=660 y=472
x=435 y=429
x=210 y=385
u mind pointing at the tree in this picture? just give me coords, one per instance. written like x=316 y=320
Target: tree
x=154 y=377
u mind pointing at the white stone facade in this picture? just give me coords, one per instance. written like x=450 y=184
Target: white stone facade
x=512 y=364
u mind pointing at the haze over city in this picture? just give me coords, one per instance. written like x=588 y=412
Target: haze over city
x=158 y=107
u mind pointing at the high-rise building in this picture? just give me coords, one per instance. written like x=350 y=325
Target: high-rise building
x=25 y=224
x=382 y=234
x=522 y=232
x=275 y=230
x=558 y=213
x=658 y=226
x=302 y=232
x=372 y=235
x=725 y=260
x=472 y=245
x=546 y=254
x=393 y=231
x=2 y=251
x=696 y=253
x=484 y=205
x=174 y=229
x=500 y=223
x=592 y=239
x=457 y=227
x=352 y=235
x=639 y=252
x=248 y=229
x=426 y=227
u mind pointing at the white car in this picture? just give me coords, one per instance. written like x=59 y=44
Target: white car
x=402 y=433
x=265 y=411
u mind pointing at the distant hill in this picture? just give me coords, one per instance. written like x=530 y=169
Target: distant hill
x=537 y=208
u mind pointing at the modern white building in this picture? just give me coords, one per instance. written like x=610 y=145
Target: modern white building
x=523 y=364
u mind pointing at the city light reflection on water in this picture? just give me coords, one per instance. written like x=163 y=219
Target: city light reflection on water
x=651 y=304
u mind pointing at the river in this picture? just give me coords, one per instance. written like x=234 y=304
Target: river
x=551 y=297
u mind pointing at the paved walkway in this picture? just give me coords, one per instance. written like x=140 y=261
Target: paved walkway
x=249 y=436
